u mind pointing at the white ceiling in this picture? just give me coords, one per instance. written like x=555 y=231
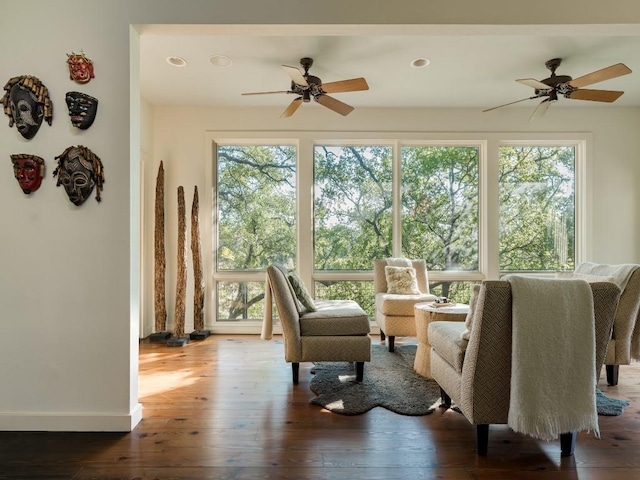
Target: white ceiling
x=476 y=71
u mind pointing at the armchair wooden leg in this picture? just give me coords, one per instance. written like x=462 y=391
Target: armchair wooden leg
x=382 y=335
x=391 y=343
x=295 y=369
x=446 y=399
x=612 y=374
x=359 y=371
x=482 y=439
x=567 y=443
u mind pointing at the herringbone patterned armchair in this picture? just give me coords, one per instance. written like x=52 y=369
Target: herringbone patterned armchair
x=624 y=344
x=476 y=374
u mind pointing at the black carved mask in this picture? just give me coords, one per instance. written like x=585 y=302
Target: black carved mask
x=27 y=113
x=82 y=109
x=76 y=175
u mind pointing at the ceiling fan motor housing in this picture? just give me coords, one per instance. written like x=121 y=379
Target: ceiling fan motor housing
x=557 y=83
x=554 y=80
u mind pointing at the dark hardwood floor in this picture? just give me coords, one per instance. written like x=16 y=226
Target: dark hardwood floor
x=225 y=408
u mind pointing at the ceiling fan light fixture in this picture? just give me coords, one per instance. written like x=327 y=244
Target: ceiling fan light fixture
x=176 y=61
x=420 y=62
x=218 y=60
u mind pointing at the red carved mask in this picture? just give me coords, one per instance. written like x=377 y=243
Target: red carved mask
x=28 y=170
x=80 y=68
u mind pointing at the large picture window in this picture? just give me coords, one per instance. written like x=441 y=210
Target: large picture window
x=440 y=206
x=352 y=206
x=537 y=208
x=256 y=220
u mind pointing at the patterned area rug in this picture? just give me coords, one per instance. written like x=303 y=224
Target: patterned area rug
x=391 y=382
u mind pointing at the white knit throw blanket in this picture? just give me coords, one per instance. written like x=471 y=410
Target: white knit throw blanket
x=553 y=377
x=620 y=273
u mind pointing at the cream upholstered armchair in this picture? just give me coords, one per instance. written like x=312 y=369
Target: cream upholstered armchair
x=476 y=374
x=394 y=312
x=321 y=331
x=624 y=345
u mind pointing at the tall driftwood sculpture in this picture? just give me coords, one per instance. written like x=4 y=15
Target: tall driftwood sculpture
x=198 y=279
x=181 y=279
x=160 y=263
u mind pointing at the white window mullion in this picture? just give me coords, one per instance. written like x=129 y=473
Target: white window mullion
x=489 y=212
x=397 y=201
x=305 y=211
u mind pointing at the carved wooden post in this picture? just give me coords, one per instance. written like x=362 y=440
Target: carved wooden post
x=160 y=264
x=199 y=332
x=181 y=281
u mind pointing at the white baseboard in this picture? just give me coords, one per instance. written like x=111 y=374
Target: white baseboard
x=69 y=422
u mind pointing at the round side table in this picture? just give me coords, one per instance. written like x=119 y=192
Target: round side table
x=425 y=313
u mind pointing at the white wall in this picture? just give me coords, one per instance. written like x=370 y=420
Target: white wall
x=612 y=173
x=67 y=357
x=69 y=277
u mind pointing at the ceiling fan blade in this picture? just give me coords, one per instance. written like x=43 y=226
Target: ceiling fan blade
x=266 y=93
x=291 y=109
x=613 y=71
x=532 y=82
x=333 y=104
x=352 y=85
x=541 y=109
x=296 y=75
x=511 y=103
x=595 y=95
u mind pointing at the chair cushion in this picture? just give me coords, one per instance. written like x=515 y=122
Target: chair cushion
x=401 y=280
x=446 y=339
x=335 y=317
x=400 y=305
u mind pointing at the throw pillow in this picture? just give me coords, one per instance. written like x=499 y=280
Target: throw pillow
x=301 y=292
x=401 y=280
x=468 y=321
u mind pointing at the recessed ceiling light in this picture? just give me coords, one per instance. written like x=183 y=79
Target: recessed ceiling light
x=420 y=62
x=220 y=60
x=176 y=61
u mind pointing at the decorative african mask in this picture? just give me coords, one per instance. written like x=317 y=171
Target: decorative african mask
x=80 y=67
x=78 y=171
x=82 y=109
x=28 y=170
x=26 y=102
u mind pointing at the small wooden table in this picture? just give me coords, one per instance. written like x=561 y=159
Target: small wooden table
x=425 y=313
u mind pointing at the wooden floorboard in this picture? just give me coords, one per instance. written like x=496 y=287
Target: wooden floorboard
x=225 y=408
